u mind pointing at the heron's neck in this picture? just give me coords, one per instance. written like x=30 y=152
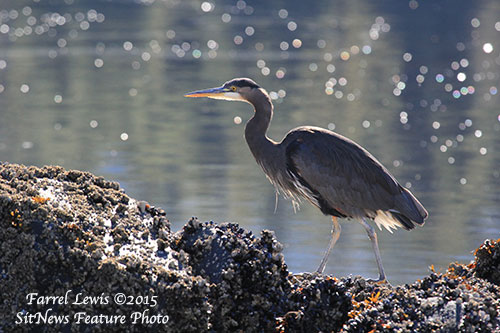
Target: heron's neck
x=256 y=127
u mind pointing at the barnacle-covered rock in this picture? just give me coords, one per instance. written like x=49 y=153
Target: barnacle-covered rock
x=454 y=301
x=487 y=264
x=69 y=234
x=248 y=275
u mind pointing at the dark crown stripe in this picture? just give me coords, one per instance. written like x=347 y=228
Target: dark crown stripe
x=243 y=83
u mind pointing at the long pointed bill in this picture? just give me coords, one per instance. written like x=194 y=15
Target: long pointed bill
x=216 y=93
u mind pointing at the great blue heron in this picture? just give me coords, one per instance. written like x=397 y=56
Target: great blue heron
x=332 y=172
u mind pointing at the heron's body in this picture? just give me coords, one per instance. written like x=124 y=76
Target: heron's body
x=332 y=172
x=357 y=187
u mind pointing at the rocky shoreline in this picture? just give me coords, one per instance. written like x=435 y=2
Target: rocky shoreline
x=78 y=254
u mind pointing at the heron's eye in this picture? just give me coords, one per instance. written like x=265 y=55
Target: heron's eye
x=233 y=88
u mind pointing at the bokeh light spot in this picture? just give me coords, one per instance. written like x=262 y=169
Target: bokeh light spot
x=487 y=48
x=24 y=88
x=207 y=6
x=297 y=43
x=344 y=55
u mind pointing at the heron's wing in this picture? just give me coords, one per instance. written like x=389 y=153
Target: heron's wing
x=345 y=175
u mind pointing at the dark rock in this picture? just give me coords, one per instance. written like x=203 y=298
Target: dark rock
x=487 y=265
x=69 y=233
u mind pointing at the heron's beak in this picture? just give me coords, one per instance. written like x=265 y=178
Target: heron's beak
x=217 y=93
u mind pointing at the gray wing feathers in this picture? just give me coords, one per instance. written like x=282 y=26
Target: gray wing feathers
x=348 y=177
x=411 y=207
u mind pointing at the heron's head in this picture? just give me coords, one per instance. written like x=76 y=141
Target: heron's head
x=241 y=89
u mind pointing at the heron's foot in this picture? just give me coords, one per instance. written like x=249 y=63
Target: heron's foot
x=380 y=281
x=322 y=266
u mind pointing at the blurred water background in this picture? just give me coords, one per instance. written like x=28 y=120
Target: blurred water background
x=98 y=86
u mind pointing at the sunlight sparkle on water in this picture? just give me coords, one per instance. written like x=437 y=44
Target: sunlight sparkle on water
x=297 y=43
x=24 y=88
x=249 y=31
x=98 y=63
x=127 y=46
x=488 y=48
x=226 y=18
x=280 y=73
x=213 y=45
x=207 y=6
x=238 y=40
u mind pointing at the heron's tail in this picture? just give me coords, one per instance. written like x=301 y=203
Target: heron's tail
x=409 y=210
x=407 y=213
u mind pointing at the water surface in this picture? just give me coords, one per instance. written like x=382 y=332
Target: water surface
x=98 y=86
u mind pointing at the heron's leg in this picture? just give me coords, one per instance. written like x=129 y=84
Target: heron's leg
x=335 y=236
x=373 y=238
